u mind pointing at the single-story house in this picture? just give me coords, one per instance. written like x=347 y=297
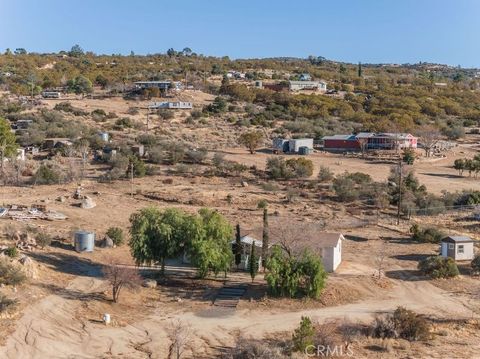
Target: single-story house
x=308 y=85
x=369 y=141
x=51 y=143
x=460 y=248
x=330 y=245
x=341 y=143
x=247 y=243
x=163 y=86
x=170 y=105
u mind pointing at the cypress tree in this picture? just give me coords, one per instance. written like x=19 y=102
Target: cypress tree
x=238 y=247
x=265 y=238
x=253 y=263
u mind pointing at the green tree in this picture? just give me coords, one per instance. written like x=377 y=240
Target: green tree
x=459 y=165
x=251 y=140
x=209 y=242
x=8 y=145
x=303 y=336
x=292 y=275
x=237 y=250
x=265 y=237
x=80 y=85
x=76 y=51
x=156 y=235
x=253 y=263
x=408 y=156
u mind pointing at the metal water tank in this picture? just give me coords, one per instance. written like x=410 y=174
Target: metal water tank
x=84 y=241
x=104 y=136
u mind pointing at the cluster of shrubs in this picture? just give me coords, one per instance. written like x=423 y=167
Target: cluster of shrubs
x=426 y=234
x=402 y=323
x=67 y=107
x=280 y=168
x=438 y=267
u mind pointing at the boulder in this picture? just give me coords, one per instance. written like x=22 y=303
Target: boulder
x=29 y=267
x=107 y=242
x=150 y=283
x=87 y=203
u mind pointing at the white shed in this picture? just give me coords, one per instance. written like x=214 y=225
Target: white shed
x=460 y=248
x=295 y=143
x=247 y=243
x=331 y=248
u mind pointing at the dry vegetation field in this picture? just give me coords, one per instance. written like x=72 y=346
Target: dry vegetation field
x=60 y=308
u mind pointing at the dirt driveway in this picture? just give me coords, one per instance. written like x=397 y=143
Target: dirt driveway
x=52 y=328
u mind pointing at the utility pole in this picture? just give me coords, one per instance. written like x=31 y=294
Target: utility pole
x=131 y=179
x=399 y=191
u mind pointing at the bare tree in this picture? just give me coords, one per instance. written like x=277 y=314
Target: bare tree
x=380 y=257
x=83 y=146
x=120 y=276
x=180 y=335
x=429 y=137
x=363 y=143
x=294 y=236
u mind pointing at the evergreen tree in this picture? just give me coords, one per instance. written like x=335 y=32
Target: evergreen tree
x=253 y=263
x=238 y=247
x=304 y=335
x=265 y=237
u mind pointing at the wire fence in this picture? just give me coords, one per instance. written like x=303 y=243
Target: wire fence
x=474 y=210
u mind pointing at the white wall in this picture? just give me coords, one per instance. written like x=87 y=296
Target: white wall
x=467 y=254
x=332 y=257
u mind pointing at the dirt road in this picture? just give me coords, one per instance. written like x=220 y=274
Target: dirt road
x=50 y=328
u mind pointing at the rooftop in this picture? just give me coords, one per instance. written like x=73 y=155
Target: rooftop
x=458 y=239
x=340 y=137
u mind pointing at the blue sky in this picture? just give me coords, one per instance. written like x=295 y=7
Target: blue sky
x=398 y=31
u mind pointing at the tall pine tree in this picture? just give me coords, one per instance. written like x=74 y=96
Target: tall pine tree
x=253 y=262
x=238 y=247
x=265 y=238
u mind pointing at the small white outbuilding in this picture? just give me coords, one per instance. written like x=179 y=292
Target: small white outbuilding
x=460 y=248
x=331 y=249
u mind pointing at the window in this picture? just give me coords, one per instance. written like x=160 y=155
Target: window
x=451 y=246
x=461 y=249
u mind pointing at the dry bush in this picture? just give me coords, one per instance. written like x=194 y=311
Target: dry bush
x=351 y=332
x=180 y=335
x=403 y=323
x=6 y=303
x=120 y=276
x=255 y=349
x=11 y=274
x=325 y=334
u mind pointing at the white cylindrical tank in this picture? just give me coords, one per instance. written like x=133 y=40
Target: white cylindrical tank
x=84 y=241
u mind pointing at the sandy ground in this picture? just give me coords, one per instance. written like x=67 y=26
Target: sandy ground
x=437 y=174
x=60 y=313
x=57 y=316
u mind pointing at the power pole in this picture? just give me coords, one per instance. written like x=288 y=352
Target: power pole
x=399 y=191
x=131 y=179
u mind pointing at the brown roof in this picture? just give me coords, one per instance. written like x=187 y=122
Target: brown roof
x=328 y=239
